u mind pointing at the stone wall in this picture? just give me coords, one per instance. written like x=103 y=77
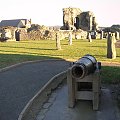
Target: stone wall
x=87 y=21
x=69 y=15
x=42 y=33
x=51 y=35
x=74 y=18
x=7 y=33
x=23 y=35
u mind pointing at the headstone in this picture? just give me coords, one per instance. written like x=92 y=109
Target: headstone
x=17 y=35
x=93 y=34
x=117 y=35
x=101 y=35
x=89 y=37
x=111 y=51
x=70 y=38
x=106 y=35
x=58 y=46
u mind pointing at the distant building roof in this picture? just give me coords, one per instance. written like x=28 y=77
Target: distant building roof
x=13 y=23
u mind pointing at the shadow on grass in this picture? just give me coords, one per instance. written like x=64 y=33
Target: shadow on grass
x=10 y=59
x=37 y=42
x=35 y=54
x=80 y=40
x=105 y=56
x=102 y=56
x=97 y=46
x=28 y=48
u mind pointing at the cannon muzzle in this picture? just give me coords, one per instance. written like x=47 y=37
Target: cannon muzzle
x=84 y=66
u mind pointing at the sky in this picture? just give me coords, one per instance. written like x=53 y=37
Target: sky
x=49 y=12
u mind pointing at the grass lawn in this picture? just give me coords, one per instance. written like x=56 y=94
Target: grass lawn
x=15 y=52
x=110 y=75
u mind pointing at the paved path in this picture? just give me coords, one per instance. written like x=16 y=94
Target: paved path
x=19 y=85
x=56 y=108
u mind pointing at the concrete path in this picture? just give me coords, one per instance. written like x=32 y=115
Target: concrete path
x=20 y=84
x=56 y=108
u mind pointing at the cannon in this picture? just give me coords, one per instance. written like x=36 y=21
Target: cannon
x=83 y=79
x=84 y=66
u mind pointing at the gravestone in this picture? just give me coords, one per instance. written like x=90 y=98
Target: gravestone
x=101 y=35
x=17 y=35
x=93 y=34
x=89 y=37
x=111 y=51
x=70 y=38
x=58 y=46
x=117 y=35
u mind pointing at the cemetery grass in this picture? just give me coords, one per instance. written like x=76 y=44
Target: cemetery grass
x=17 y=52
x=110 y=75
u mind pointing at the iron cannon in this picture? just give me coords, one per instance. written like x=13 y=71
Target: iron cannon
x=84 y=82
x=84 y=66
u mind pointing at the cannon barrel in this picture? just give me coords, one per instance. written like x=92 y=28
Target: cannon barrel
x=84 y=66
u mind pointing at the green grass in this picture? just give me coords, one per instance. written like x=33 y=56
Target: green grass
x=46 y=48
x=110 y=75
x=16 y=52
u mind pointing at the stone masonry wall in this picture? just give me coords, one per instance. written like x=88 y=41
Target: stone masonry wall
x=38 y=35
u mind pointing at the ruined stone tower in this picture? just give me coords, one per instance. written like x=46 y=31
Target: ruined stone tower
x=69 y=15
x=74 y=18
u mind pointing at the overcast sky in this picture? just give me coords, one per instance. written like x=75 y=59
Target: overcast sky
x=49 y=12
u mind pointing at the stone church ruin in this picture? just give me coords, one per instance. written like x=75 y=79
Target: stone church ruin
x=74 y=18
x=80 y=24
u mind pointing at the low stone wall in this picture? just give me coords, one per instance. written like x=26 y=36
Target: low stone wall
x=51 y=34
x=35 y=35
x=23 y=36
x=44 y=34
x=63 y=34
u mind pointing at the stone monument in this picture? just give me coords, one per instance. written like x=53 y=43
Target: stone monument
x=117 y=35
x=70 y=38
x=111 y=51
x=89 y=37
x=101 y=35
x=58 y=46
